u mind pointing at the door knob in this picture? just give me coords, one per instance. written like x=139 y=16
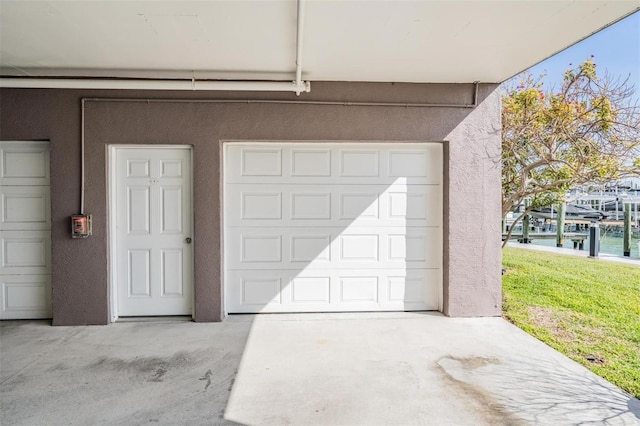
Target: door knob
x=187 y=240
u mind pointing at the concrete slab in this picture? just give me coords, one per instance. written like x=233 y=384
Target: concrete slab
x=163 y=372
x=299 y=369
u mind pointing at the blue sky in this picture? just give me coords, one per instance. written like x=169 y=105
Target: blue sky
x=616 y=49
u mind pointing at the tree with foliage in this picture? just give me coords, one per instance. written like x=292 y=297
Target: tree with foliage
x=585 y=133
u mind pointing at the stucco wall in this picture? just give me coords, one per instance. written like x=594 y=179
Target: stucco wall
x=80 y=267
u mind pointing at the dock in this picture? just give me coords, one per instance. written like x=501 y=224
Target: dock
x=576 y=237
x=570 y=252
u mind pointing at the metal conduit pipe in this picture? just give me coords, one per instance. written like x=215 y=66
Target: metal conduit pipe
x=473 y=103
x=143 y=84
x=300 y=85
x=82 y=180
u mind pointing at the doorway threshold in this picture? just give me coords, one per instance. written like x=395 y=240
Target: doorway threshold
x=177 y=318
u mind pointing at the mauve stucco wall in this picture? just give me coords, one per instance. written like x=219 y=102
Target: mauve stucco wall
x=472 y=225
x=80 y=270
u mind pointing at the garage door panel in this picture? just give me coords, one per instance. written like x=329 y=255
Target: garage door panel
x=361 y=289
x=332 y=291
x=363 y=205
x=397 y=289
x=331 y=163
x=414 y=248
x=310 y=205
x=334 y=248
x=25 y=252
x=288 y=205
x=254 y=161
x=358 y=248
x=256 y=206
x=412 y=164
x=359 y=163
x=310 y=162
x=25 y=207
x=401 y=289
x=415 y=206
x=256 y=290
x=407 y=248
x=414 y=290
x=311 y=290
x=310 y=247
x=261 y=290
x=257 y=248
x=407 y=164
x=24 y=163
x=25 y=296
x=260 y=161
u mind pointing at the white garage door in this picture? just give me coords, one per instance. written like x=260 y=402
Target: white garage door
x=25 y=231
x=321 y=227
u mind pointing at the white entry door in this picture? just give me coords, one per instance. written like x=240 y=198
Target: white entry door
x=154 y=252
x=312 y=227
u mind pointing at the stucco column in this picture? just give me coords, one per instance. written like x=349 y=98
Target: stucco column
x=472 y=250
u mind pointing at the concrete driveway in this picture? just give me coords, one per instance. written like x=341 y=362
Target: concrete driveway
x=329 y=369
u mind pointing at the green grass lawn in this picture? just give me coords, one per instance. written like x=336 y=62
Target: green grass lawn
x=587 y=309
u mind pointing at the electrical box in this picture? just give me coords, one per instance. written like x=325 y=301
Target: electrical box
x=80 y=225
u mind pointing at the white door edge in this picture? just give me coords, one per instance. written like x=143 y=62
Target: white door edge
x=111 y=215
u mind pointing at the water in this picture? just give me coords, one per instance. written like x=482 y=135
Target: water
x=609 y=244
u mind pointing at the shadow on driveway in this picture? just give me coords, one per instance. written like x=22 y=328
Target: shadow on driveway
x=299 y=369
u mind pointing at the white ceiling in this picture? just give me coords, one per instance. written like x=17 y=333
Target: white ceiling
x=401 y=41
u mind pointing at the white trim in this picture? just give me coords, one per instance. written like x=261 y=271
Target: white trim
x=111 y=222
